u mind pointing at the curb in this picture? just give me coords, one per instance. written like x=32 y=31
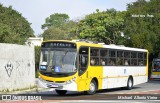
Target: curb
x=36 y=90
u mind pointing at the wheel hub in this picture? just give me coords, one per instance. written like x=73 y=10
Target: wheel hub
x=92 y=87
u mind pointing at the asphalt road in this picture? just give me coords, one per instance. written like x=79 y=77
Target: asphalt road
x=149 y=88
x=146 y=92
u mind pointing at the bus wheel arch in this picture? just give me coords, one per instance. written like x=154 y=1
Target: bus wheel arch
x=93 y=87
x=130 y=82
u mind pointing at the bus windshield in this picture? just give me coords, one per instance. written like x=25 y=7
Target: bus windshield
x=156 y=66
x=58 y=61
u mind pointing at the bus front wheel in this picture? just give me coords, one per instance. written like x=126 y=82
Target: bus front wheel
x=61 y=92
x=92 y=88
x=130 y=83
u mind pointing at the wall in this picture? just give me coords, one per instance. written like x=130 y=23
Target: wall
x=17 y=67
x=36 y=41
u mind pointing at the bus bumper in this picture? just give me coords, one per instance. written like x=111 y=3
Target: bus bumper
x=155 y=76
x=69 y=86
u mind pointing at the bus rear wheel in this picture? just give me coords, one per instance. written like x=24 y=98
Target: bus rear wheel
x=92 y=88
x=61 y=92
x=129 y=84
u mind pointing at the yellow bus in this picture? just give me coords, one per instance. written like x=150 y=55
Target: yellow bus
x=155 y=71
x=86 y=66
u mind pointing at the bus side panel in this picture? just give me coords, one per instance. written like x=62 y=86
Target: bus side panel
x=95 y=72
x=109 y=77
x=86 y=78
x=141 y=75
x=118 y=76
x=140 y=79
x=82 y=82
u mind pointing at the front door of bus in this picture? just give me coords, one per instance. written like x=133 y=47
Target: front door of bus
x=83 y=64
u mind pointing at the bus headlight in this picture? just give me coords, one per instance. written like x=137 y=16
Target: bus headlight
x=43 y=67
x=70 y=81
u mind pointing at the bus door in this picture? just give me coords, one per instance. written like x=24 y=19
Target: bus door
x=83 y=65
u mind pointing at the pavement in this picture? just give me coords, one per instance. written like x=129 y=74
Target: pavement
x=36 y=89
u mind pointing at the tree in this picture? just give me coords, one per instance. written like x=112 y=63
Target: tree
x=54 y=34
x=13 y=27
x=142 y=23
x=58 y=26
x=142 y=26
x=55 y=20
x=105 y=26
x=37 y=59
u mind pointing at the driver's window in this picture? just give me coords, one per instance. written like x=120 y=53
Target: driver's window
x=83 y=59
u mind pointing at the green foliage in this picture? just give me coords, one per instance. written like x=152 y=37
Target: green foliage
x=55 y=20
x=105 y=26
x=13 y=27
x=59 y=27
x=143 y=30
x=54 y=34
x=37 y=58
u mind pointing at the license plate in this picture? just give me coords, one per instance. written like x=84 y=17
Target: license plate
x=52 y=85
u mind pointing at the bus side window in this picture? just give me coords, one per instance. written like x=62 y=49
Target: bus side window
x=127 y=56
x=126 y=62
x=103 y=57
x=120 y=55
x=92 y=61
x=112 y=62
x=83 y=59
x=103 y=62
x=94 y=57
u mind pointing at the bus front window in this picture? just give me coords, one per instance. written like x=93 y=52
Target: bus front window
x=45 y=57
x=156 y=67
x=58 y=62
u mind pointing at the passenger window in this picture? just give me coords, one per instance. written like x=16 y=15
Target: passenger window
x=119 y=57
x=104 y=53
x=112 y=53
x=140 y=59
x=134 y=62
x=112 y=57
x=94 y=58
x=140 y=55
x=133 y=54
x=126 y=62
x=145 y=58
x=112 y=62
x=103 y=57
x=127 y=54
x=103 y=61
x=126 y=58
x=94 y=52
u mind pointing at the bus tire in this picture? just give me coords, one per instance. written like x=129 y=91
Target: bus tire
x=129 y=83
x=61 y=92
x=92 y=88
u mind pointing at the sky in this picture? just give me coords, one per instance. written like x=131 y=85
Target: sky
x=36 y=11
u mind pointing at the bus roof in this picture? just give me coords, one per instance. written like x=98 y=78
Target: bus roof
x=111 y=46
x=124 y=48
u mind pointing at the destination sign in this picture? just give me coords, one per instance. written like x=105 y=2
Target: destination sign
x=58 y=45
